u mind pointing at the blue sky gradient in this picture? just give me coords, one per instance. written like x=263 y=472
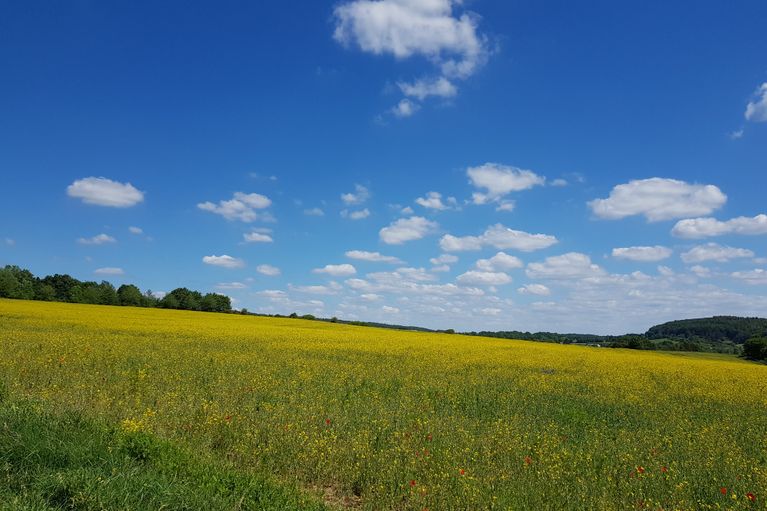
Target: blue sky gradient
x=192 y=102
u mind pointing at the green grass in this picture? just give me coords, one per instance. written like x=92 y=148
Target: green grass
x=65 y=462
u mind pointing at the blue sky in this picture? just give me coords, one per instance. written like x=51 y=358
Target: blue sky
x=515 y=165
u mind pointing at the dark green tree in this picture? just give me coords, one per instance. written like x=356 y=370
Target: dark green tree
x=128 y=294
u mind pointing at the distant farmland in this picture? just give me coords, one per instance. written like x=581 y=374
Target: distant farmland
x=369 y=418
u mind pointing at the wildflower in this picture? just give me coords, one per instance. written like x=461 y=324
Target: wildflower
x=461 y=471
x=412 y=483
x=723 y=490
x=528 y=460
x=428 y=437
x=750 y=496
x=327 y=422
x=228 y=418
x=640 y=469
x=664 y=469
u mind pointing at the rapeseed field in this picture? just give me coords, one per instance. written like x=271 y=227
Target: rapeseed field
x=380 y=419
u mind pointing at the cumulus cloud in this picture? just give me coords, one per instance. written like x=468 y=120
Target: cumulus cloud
x=230 y=286
x=268 y=270
x=498 y=180
x=754 y=277
x=337 y=270
x=373 y=257
x=224 y=261
x=658 y=199
x=423 y=88
x=572 y=265
x=714 y=252
x=534 y=289
x=136 y=230
x=390 y=310
x=643 y=254
x=257 y=237
x=500 y=237
x=756 y=109
x=499 y=262
x=710 y=227
x=314 y=212
x=444 y=259
x=99 y=239
x=355 y=215
x=484 y=278
x=433 y=200
x=109 y=270
x=101 y=191
x=406 y=229
x=358 y=196
x=242 y=206
x=701 y=271
x=559 y=182
x=405 y=108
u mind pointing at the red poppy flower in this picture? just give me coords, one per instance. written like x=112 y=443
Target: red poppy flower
x=462 y=471
x=750 y=496
x=327 y=421
x=723 y=490
x=664 y=469
x=228 y=418
x=640 y=469
x=428 y=437
x=412 y=482
x=528 y=460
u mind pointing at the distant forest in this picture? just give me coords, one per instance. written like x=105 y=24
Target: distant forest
x=19 y=283
x=719 y=334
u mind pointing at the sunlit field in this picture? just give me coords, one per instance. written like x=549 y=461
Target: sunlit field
x=369 y=418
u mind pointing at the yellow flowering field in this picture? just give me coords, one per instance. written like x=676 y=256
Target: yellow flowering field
x=383 y=419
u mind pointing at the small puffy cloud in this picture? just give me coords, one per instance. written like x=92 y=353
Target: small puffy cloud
x=572 y=265
x=314 y=212
x=505 y=205
x=99 y=239
x=559 y=182
x=407 y=210
x=224 y=261
x=754 y=277
x=337 y=270
x=499 y=180
x=405 y=108
x=268 y=270
x=658 y=199
x=404 y=28
x=433 y=200
x=373 y=257
x=136 y=230
x=714 y=252
x=257 y=237
x=273 y=294
x=101 y=191
x=406 y=229
x=358 y=196
x=423 y=88
x=370 y=297
x=230 y=286
x=665 y=271
x=534 y=289
x=500 y=237
x=109 y=270
x=643 y=254
x=444 y=259
x=242 y=206
x=710 y=227
x=736 y=135
x=701 y=271
x=499 y=262
x=756 y=110
x=316 y=289
x=355 y=215
x=484 y=278
x=442 y=268
x=390 y=310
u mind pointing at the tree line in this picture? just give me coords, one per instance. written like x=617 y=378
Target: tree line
x=22 y=284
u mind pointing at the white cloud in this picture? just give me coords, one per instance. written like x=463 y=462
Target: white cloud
x=442 y=268
x=273 y=294
x=390 y=310
x=643 y=254
x=735 y=135
x=423 y=88
x=484 y=278
x=314 y=212
x=505 y=205
x=373 y=257
x=136 y=230
x=756 y=110
x=559 y=182
x=404 y=28
x=330 y=289
x=257 y=237
x=355 y=215
x=701 y=271
x=337 y=270
x=406 y=229
x=534 y=289
x=109 y=271
x=499 y=180
x=444 y=259
x=370 y=297
x=709 y=227
x=500 y=237
x=241 y=207
x=101 y=191
x=99 y=239
x=224 y=261
x=268 y=270
x=433 y=200
x=572 y=265
x=230 y=286
x=405 y=108
x=658 y=199
x=407 y=210
x=754 y=277
x=499 y=262
x=714 y=252
x=360 y=195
